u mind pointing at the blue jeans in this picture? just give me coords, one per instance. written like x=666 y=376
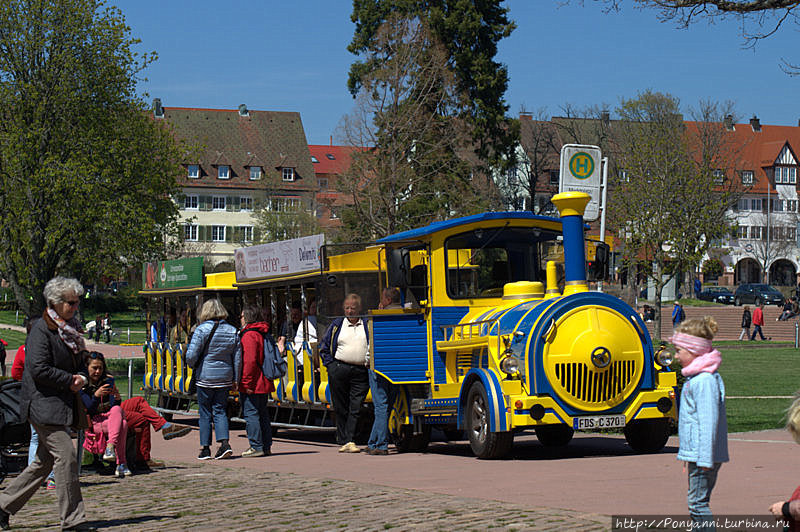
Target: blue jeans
x=211 y=403
x=701 y=482
x=256 y=415
x=33 y=446
x=382 y=399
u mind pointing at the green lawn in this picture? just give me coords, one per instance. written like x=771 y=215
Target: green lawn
x=120 y=323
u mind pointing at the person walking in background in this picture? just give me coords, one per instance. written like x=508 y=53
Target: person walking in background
x=214 y=354
x=758 y=321
x=254 y=388
x=698 y=287
x=677 y=314
x=790 y=510
x=746 y=319
x=702 y=420
x=50 y=382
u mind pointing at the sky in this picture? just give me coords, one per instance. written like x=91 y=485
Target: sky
x=278 y=55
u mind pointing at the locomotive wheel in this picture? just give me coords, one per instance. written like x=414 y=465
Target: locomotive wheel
x=484 y=443
x=647 y=435
x=554 y=435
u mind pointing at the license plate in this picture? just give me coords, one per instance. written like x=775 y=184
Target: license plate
x=598 y=422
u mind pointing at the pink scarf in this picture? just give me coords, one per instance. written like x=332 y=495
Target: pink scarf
x=67 y=332
x=707 y=359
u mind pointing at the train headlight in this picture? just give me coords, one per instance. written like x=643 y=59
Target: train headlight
x=510 y=365
x=664 y=357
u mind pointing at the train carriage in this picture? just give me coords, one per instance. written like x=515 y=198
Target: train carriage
x=498 y=333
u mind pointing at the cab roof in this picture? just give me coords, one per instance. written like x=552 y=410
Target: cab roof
x=416 y=234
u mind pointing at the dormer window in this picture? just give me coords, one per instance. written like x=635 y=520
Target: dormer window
x=747 y=177
x=314 y=159
x=223 y=171
x=288 y=174
x=786 y=175
x=194 y=171
x=255 y=173
x=719 y=176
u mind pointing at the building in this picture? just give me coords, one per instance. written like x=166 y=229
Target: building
x=330 y=164
x=236 y=161
x=765 y=247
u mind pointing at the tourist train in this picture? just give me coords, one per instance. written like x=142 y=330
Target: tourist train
x=498 y=332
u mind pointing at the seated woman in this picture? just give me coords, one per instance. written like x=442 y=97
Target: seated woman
x=108 y=428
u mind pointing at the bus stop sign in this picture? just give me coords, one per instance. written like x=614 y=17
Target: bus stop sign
x=581 y=171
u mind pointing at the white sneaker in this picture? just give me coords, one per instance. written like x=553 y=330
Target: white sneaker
x=123 y=471
x=109 y=455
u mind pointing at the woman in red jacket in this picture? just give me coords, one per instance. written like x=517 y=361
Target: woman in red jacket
x=254 y=388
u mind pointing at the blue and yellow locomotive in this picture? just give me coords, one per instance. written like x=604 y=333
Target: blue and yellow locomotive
x=493 y=344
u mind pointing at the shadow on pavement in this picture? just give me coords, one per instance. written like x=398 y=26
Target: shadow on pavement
x=112 y=523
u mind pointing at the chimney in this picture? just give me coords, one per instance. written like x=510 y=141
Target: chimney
x=605 y=116
x=729 y=123
x=243 y=110
x=158 y=111
x=331 y=140
x=755 y=124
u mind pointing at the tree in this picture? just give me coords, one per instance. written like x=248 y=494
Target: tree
x=759 y=19
x=418 y=168
x=671 y=197
x=279 y=221
x=469 y=33
x=85 y=174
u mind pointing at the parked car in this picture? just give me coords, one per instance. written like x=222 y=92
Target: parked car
x=718 y=294
x=757 y=293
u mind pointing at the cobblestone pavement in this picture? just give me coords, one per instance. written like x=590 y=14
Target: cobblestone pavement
x=191 y=496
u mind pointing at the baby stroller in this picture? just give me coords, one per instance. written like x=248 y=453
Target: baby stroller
x=15 y=432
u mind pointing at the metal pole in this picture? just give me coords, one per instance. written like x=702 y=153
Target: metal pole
x=130 y=378
x=129 y=335
x=16 y=317
x=604 y=187
x=796 y=335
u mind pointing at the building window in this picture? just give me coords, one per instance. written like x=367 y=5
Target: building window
x=255 y=173
x=755 y=232
x=194 y=171
x=719 y=176
x=246 y=203
x=288 y=174
x=190 y=202
x=791 y=205
x=623 y=176
x=743 y=204
x=747 y=177
x=741 y=231
x=245 y=233
x=314 y=159
x=218 y=233
x=218 y=203
x=323 y=183
x=223 y=171
x=285 y=204
x=777 y=205
x=330 y=156
x=786 y=175
x=334 y=214
x=554 y=177
x=755 y=204
x=791 y=233
x=190 y=232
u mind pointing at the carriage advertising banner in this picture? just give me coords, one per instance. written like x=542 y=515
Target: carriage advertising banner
x=286 y=257
x=179 y=273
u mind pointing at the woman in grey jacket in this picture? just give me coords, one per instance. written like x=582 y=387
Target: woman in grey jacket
x=217 y=370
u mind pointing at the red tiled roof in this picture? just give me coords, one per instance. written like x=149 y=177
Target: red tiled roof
x=336 y=165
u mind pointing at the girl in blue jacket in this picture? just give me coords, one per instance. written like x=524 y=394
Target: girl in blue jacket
x=702 y=423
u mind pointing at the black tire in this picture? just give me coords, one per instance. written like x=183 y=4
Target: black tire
x=165 y=401
x=409 y=442
x=484 y=444
x=647 y=435
x=554 y=435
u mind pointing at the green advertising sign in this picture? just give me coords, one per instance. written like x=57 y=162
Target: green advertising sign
x=178 y=273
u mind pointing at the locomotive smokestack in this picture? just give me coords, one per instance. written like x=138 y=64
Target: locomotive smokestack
x=571 y=206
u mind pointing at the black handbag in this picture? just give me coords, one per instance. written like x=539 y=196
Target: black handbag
x=199 y=364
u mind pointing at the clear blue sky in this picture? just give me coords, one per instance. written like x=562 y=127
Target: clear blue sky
x=292 y=56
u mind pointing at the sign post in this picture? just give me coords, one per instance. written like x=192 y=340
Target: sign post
x=581 y=171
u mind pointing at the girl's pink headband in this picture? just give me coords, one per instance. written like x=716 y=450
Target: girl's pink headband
x=693 y=344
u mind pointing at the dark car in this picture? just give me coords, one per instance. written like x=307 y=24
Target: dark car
x=757 y=293
x=718 y=294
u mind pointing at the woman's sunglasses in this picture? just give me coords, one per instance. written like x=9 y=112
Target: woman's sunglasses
x=94 y=355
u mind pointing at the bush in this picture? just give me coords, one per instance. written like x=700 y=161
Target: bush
x=712 y=269
x=101 y=303
x=119 y=366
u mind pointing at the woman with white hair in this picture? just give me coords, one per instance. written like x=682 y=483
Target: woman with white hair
x=50 y=382
x=213 y=353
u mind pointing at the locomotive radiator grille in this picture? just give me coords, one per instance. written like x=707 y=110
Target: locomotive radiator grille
x=591 y=386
